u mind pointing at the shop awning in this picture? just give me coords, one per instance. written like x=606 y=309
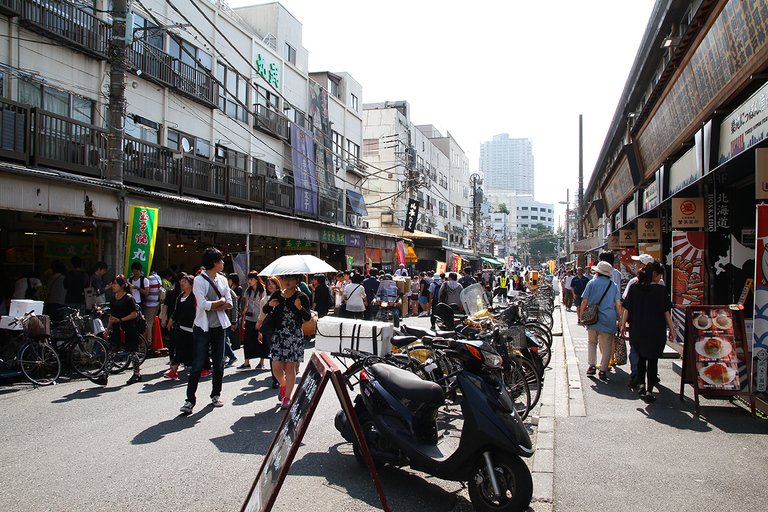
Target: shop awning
x=400 y=231
x=587 y=245
x=410 y=254
x=356 y=202
x=492 y=261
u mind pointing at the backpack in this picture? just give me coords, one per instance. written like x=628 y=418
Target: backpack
x=141 y=322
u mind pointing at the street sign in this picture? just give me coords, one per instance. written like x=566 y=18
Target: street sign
x=278 y=459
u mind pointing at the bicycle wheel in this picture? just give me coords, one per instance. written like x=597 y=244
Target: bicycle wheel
x=88 y=356
x=39 y=362
x=518 y=390
x=545 y=318
x=543 y=349
x=533 y=379
x=142 y=350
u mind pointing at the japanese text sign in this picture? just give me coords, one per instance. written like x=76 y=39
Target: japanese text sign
x=140 y=240
x=688 y=212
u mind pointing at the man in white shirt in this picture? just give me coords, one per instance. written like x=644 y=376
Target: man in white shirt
x=212 y=299
x=568 y=289
x=401 y=271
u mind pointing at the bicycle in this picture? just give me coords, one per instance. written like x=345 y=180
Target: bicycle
x=87 y=353
x=37 y=359
x=121 y=359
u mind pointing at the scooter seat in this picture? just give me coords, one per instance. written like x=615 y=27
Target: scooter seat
x=401 y=341
x=404 y=384
x=420 y=333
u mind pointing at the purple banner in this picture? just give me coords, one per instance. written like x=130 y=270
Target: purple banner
x=354 y=240
x=304 y=174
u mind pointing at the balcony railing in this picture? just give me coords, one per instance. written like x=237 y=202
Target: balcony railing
x=66 y=23
x=150 y=165
x=278 y=196
x=329 y=204
x=64 y=143
x=246 y=188
x=10 y=7
x=164 y=69
x=271 y=122
x=203 y=178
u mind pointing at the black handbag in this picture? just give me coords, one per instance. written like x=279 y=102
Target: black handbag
x=269 y=324
x=590 y=314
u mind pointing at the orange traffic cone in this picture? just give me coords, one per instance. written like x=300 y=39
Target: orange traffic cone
x=157 y=336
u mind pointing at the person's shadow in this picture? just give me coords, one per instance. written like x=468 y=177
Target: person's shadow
x=177 y=424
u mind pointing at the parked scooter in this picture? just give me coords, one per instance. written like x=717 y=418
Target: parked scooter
x=387 y=301
x=397 y=412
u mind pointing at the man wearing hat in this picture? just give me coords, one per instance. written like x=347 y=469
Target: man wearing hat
x=640 y=263
x=401 y=271
x=601 y=291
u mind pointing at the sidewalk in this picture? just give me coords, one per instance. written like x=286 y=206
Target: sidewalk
x=599 y=447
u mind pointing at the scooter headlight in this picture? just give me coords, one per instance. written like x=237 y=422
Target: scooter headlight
x=492 y=360
x=384 y=304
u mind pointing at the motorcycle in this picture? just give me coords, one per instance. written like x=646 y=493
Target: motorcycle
x=398 y=411
x=386 y=303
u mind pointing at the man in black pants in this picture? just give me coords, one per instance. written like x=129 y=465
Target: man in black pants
x=211 y=321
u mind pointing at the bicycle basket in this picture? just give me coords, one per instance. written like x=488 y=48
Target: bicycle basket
x=37 y=327
x=515 y=337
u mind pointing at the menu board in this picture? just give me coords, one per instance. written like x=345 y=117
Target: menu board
x=715 y=358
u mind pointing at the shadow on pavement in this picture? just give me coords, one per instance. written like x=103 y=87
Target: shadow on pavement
x=251 y=434
x=176 y=424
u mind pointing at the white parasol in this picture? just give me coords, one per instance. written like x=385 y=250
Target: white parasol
x=295 y=264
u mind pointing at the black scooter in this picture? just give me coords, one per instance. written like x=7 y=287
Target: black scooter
x=397 y=412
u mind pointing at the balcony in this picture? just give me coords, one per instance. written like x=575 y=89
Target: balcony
x=329 y=205
x=278 y=196
x=66 y=23
x=63 y=143
x=270 y=122
x=203 y=178
x=14 y=123
x=10 y=8
x=245 y=188
x=163 y=69
x=150 y=165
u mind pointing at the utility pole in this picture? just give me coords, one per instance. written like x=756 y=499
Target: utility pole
x=581 y=180
x=122 y=29
x=476 y=181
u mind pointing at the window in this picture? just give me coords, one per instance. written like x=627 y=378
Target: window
x=147 y=32
x=202 y=148
x=353 y=151
x=56 y=101
x=231 y=157
x=290 y=54
x=190 y=54
x=138 y=130
x=370 y=147
x=458 y=212
x=524 y=208
x=443 y=209
x=298 y=118
x=175 y=141
x=534 y=209
x=233 y=93
x=354 y=102
x=338 y=150
x=333 y=87
x=2 y=84
x=534 y=217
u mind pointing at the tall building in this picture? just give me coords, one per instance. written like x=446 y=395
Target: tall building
x=507 y=164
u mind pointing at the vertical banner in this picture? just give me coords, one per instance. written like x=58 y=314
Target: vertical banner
x=304 y=172
x=687 y=284
x=441 y=266
x=401 y=253
x=239 y=265
x=411 y=216
x=760 y=322
x=140 y=240
x=350 y=261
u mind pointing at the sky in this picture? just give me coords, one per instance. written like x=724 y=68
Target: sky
x=477 y=69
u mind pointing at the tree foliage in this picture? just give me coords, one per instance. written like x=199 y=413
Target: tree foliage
x=502 y=208
x=539 y=243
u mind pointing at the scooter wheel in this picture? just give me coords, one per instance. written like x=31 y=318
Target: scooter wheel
x=371 y=435
x=514 y=480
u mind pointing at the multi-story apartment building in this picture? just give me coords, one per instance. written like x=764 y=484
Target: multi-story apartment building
x=531 y=213
x=226 y=132
x=507 y=164
x=416 y=162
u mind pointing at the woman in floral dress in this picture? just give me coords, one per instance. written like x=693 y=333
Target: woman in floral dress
x=291 y=308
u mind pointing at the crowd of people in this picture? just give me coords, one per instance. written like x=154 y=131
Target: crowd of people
x=641 y=311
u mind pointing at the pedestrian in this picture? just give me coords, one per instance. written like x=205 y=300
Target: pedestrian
x=413 y=295
x=603 y=292
x=290 y=306
x=233 y=331
x=271 y=285
x=75 y=282
x=502 y=286
x=647 y=309
x=152 y=304
x=568 y=289
x=254 y=344
x=355 y=299
x=211 y=320
x=466 y=278
x=56 y=294
x=322 y=301
x=450 y=292
x=139 y=285
x=338 y=293
x=96 y=278
x=615 y=274
x=371 y=286
x=578 y=284
x=640 y=262
x=172 y=292
x=181 y=324
x=424 y=304
x=27 y=287
x=122 y=330
x=401 y=271
x=434 y=288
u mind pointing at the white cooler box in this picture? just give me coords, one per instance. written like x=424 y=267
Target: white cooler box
x=335 y=334
x=18 y=308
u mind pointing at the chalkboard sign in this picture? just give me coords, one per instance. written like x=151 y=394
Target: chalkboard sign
x=282 y=451
x=715 y=355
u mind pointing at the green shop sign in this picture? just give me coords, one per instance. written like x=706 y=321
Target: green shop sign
x=332 y=236
x=298 y=244
x=66 y=249
x=271 y=73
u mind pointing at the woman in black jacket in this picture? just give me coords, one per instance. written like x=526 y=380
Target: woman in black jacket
x=181 y=323
x=290 y=308
x=321 y=296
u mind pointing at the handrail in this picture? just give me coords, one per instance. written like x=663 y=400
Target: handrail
x=69 y=23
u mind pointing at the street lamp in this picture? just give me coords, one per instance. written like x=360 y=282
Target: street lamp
x=567 y=204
